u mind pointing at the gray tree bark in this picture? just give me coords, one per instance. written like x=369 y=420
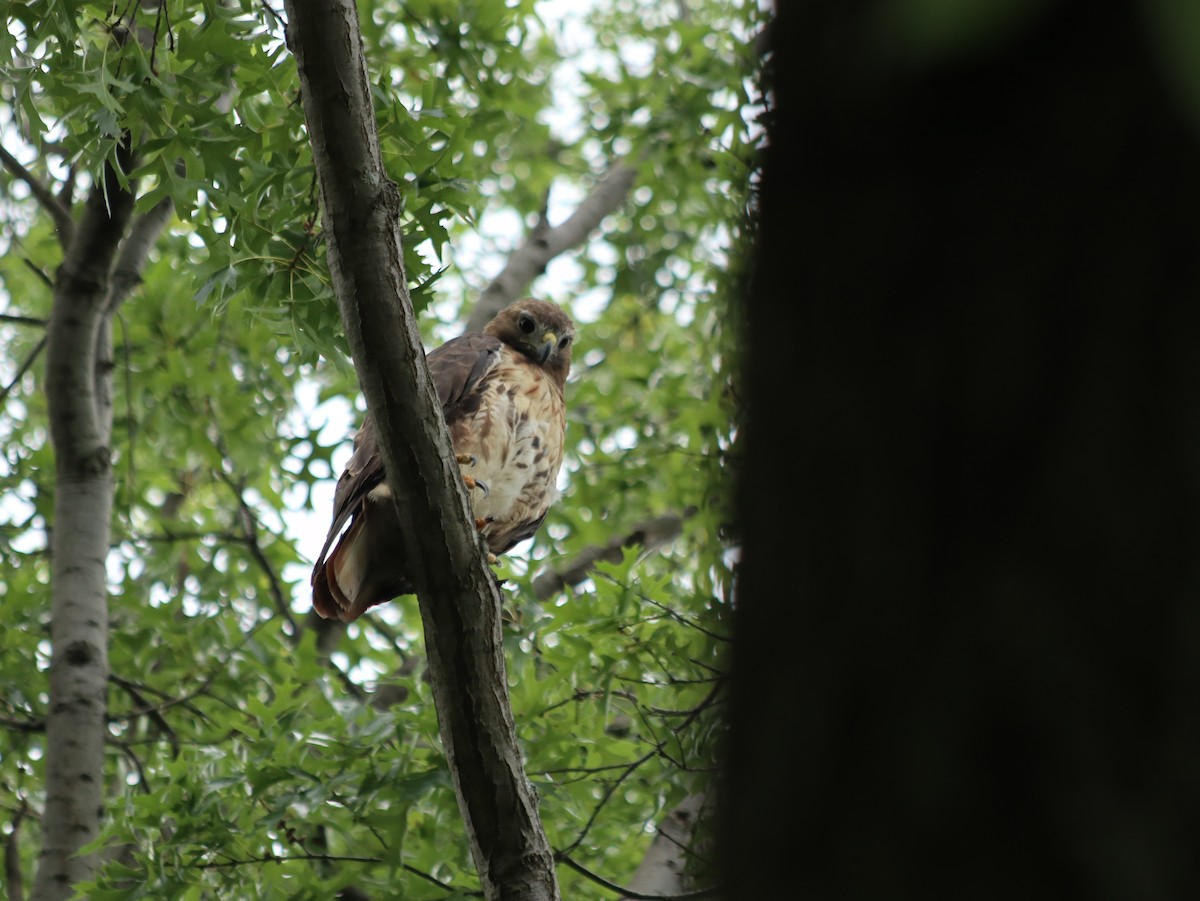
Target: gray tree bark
x=78 y=392
x=663 y=871
x=105 y=255
x=458 y=597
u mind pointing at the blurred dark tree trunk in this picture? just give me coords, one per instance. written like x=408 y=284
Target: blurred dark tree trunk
x=968 y=657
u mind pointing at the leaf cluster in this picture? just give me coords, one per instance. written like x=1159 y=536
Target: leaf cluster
x=247 y=756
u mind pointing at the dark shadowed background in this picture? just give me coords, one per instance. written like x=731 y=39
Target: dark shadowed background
x=969 y=642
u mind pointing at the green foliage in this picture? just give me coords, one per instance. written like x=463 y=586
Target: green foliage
x=243 y=762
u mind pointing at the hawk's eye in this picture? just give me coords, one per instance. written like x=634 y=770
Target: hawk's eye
x=525 y=324
x=564 y=341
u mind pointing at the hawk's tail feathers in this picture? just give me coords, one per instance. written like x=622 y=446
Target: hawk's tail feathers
x=337 y=581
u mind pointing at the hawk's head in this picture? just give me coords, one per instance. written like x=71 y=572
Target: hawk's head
x=540 y=330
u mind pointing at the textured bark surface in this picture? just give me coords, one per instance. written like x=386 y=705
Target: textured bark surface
x=966 y=664
x=662 y=871
x=78 y=390
x=459 y=600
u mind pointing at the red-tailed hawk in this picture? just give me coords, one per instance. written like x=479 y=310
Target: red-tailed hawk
x=502 y=397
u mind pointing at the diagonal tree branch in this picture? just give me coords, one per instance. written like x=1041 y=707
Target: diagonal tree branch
x=22 y=725
x=649 y=536
x=546 y=242
x=136 y=247
x=458 y=596
x=22 y=320
x=64 y=225
x=22 y=369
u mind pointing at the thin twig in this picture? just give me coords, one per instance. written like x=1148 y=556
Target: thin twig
x=250 y=527
x=22 y=725
x=610 y=790
x=24 y=367
x=40 y=273
x=274 y=858
x=153 y=711
x=137 y=762
x=23 y=320
x=148 y=709
x=629 y=893
x=249 y=523
x=276 y=16
x=63 y=223
x=475 y=893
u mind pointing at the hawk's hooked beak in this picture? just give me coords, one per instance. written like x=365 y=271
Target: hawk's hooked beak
x=549 y=342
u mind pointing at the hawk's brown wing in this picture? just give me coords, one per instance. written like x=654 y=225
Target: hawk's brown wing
x=458 y=369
